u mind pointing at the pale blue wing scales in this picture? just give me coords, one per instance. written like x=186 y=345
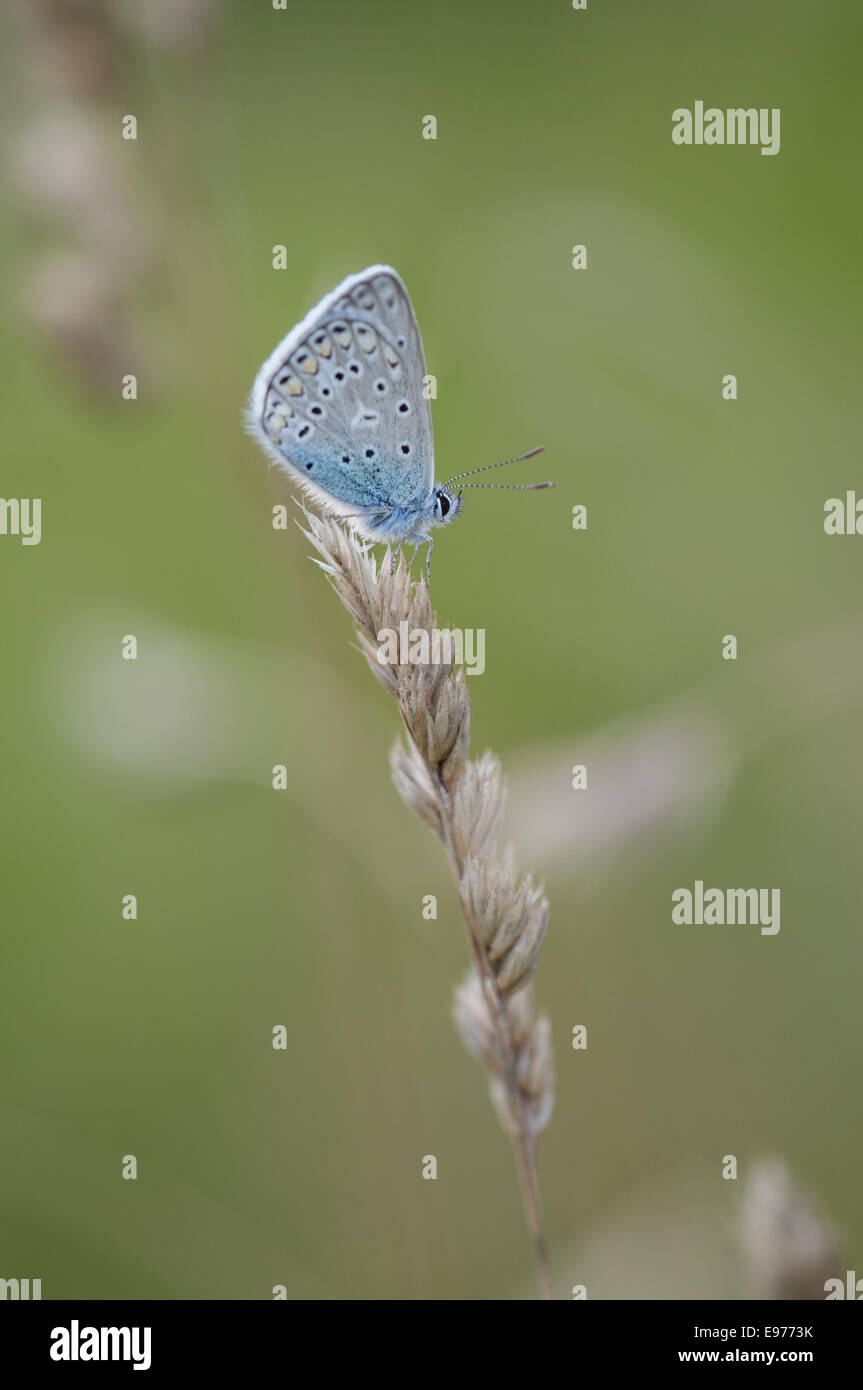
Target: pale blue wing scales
x=340 y=403
x=380 y=316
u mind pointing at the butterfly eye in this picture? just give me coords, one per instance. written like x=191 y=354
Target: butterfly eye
x=444 y=503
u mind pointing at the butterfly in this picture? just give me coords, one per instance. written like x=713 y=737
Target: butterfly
x=341 y=406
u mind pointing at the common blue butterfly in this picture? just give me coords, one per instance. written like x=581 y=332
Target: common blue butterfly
x=340 y=406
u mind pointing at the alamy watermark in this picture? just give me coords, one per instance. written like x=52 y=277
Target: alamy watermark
x=721 y=907
x=843 y=516
x=76 y=1343
x=21 y=516
x=23 y=1289
x=849 y=1287
x=421 y=646
x=732 y=126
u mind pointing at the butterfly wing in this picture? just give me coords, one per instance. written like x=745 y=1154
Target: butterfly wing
x=339 y=405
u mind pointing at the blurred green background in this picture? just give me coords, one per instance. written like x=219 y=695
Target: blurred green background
x=303 y=908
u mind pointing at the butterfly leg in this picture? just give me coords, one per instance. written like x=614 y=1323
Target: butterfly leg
x=420 y=541
x=395 y=557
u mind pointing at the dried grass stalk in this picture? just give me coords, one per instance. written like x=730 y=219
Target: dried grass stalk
x=790 y=1247
x=506 y=914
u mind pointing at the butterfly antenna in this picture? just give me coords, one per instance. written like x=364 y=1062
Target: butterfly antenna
x=509 y=487
x=518 y=487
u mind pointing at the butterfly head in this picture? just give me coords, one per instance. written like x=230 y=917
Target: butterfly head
x=447 y=506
